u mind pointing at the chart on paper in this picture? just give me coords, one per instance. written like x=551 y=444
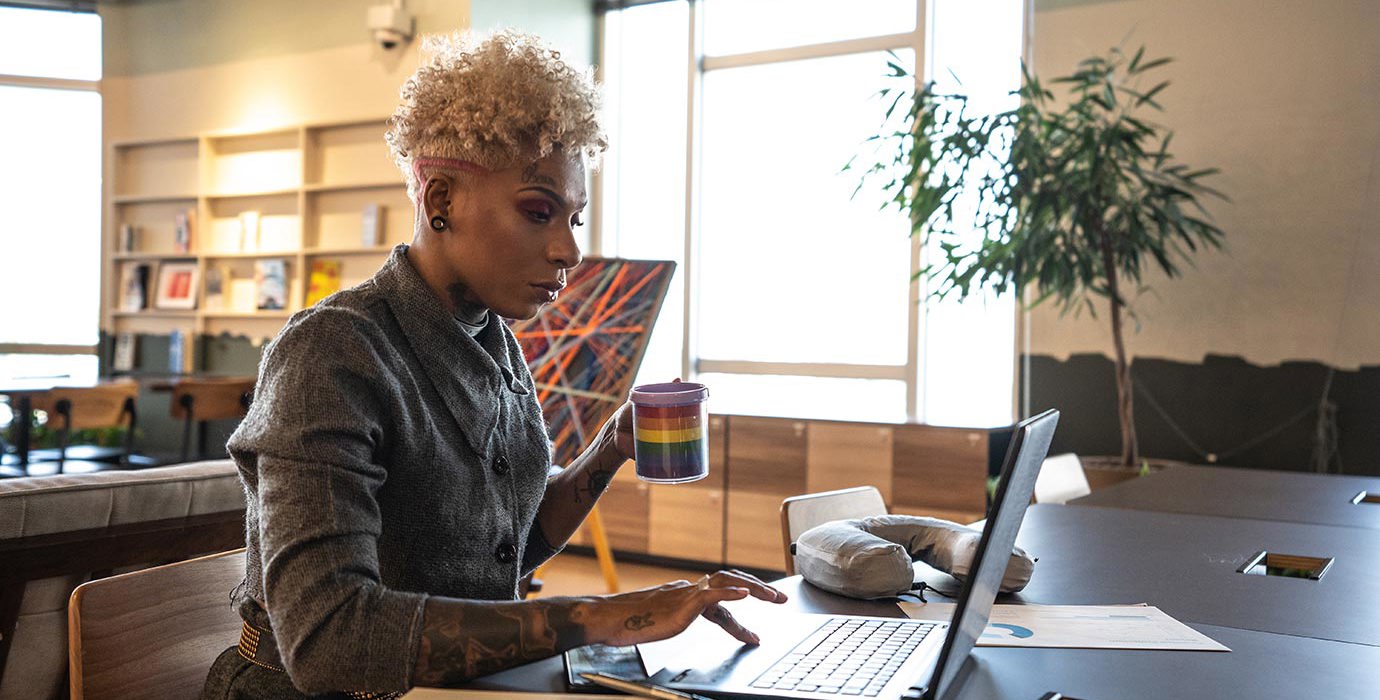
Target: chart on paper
x=1077 y=627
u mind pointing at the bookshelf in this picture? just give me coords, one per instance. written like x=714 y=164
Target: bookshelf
x=301 y=191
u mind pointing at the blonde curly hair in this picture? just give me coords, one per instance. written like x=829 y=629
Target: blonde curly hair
x=490 y=100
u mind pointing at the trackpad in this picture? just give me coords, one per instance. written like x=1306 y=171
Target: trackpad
x=707 y=654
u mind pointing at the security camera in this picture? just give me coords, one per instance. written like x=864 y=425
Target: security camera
x=390 y=25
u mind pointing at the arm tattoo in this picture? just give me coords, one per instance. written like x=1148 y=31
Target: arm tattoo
x=639 y=622
x=597 y=483
x=462 y=640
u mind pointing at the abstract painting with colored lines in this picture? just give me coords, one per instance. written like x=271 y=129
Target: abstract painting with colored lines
x=584 y=350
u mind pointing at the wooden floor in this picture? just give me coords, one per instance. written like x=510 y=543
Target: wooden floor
x=578 y=574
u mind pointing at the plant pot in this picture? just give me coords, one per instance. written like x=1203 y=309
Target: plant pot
x=1107 y=470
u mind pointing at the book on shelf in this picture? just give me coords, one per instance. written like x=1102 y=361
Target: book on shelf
x=372 y=228
x=134 y=285
x=270 y=282
x=323 y=281
x=179 y=351
x=184 y=225
x=177 y=285
x=126 y=344
x=218 y=281
x=129 y=238
x=249 y=231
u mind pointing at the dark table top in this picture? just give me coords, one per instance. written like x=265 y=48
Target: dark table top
x=1260 y=665
x=1323 y=499
x=1186 y=565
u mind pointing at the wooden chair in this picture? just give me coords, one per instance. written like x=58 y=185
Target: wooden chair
x=197 y=400
x=105 y=405
x=1061 y=480
x=800 y=513
x=153 y=633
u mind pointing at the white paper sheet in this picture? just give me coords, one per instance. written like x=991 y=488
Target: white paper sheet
x=1077 y=627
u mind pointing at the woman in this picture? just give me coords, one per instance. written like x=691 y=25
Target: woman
x=395 y=459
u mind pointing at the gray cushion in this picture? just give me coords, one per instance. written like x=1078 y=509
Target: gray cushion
x=871 y=557
x=44 y=505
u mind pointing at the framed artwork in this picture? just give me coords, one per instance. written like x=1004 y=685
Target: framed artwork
x=584 y=350
x=177 y=285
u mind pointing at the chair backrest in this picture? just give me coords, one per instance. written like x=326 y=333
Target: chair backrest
x=214 y=398
x=800 y=513
x=1061 y=479
x=153 y=633
x=101 y=406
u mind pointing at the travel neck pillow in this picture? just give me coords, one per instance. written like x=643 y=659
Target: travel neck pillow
x=872 y=557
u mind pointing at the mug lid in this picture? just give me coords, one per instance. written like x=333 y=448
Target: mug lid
x=669 y=394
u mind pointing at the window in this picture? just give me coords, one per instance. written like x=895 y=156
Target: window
x=799 y=295
x=50 y=192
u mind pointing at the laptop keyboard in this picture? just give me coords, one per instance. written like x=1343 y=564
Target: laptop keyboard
x=846 y=656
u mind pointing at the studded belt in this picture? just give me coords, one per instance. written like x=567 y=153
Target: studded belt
x=258 y=648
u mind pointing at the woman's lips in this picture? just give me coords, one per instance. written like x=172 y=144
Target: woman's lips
x=546 y=294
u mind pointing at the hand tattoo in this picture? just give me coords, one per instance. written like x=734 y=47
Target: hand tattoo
x=639 y=622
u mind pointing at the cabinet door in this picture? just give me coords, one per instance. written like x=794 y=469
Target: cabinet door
x=624 y=508
x=687 y=523
x=766 y=455
x=754 y=531
x=940 y=470
x=844 y=455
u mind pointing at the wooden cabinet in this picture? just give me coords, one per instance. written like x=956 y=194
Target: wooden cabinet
x=844 y=455
x=941 y=472
x=733 y=516
x=624 y=508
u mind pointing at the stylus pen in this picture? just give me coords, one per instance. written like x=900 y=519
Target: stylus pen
x=646 y=690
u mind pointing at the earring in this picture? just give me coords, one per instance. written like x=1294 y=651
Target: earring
x=438 y=223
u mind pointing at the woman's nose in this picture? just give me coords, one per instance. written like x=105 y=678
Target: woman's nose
x=565 y=251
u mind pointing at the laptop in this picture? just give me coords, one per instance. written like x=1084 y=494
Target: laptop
x=842 y=657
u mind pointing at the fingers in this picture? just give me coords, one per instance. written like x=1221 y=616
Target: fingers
x=720 y=616
x=755 y=586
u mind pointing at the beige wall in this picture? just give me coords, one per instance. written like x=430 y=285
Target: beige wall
x=1284 y=97
x=183 y=67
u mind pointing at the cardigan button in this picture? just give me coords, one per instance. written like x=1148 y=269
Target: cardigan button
x=501 y=466
x=506 y=553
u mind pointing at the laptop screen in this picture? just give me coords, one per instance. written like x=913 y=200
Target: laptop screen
x=1027 y=451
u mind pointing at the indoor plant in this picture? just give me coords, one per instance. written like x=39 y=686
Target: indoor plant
x=1071 y=199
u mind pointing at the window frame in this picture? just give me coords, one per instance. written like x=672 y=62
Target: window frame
x=918 y=40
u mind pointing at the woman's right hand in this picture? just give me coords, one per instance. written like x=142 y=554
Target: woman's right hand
x=664 y=611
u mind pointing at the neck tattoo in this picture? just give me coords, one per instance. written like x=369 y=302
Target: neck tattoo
x=468 y=311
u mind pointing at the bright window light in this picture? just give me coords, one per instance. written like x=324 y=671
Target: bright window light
x=967 y=370
x=644 y=173
x=49 y=44
x=739 y=26
x=880 y=400
x=793 y=268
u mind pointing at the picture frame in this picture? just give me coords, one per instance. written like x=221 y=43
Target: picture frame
x=177 y=285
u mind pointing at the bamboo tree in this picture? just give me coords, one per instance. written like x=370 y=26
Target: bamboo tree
x=1072 y=198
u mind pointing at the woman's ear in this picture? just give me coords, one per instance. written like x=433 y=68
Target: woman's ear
x=436 y=196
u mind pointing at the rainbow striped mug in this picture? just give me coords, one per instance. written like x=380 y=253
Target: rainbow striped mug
x=671 y=422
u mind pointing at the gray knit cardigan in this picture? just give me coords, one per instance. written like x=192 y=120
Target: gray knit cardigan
x=387 y=456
